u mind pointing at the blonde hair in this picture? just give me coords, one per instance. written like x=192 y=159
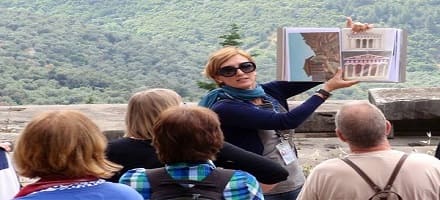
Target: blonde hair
x=217 y=58
x=143 y=109
x=62 y=144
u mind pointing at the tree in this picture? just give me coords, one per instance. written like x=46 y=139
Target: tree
x=232 y=38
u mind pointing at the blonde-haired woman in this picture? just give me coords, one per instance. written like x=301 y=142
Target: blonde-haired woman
x=66 y=151
x=135 y=150
x=256 y=117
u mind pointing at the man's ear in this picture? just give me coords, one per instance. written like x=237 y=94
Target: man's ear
x=388 y=127
x=340 y=136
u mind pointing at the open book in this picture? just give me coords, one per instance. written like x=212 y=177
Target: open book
x=314 y=54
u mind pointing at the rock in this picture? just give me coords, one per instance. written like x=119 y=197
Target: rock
x=415 y=110
x=323 y=119
x=109 y=117
x=407 y=103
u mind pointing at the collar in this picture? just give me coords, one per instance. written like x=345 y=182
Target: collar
x=45 y=183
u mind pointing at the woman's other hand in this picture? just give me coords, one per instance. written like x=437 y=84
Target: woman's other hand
x=338 y=82
x=6 y=146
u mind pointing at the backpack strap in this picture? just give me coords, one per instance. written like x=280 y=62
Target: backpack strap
x=367 y=179
x=395 y=172
x=163 y=186
x=362 y=174
x=220 y=177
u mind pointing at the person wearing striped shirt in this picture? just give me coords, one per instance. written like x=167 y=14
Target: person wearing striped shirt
x=187 y=138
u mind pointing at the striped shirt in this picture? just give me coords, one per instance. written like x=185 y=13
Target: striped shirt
x=241 y=186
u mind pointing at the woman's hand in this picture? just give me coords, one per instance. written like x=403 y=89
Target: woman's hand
x=267 y=187
x=337 y=82
x=6 y=146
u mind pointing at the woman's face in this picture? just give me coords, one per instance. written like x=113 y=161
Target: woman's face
x=240 y=80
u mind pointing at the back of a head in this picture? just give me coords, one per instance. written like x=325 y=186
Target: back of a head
x=62 y=144
x=361 y=123
x=187 y=134
x=143 y=109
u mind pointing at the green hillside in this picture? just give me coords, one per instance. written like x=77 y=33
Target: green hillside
x=101 y=51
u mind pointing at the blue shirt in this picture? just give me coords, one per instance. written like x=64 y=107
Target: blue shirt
x=91 y=190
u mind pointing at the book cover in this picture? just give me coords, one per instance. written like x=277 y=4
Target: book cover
x=314 y=54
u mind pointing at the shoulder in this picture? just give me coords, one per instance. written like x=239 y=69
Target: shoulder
x=243 y=178
x=230 y=105
x=329 y=169
x=134 y=175
x=422 y=159
x=271 y=83
x=239 y=174
x=282 y=84
x=126 y=145
x=333 y=164
x=274 y=84
x=118 y=147
x=118 y=142
x=120 y=191
x=243 y=184
x=118 y=188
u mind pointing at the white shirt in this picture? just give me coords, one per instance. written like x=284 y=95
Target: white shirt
x=418 y=179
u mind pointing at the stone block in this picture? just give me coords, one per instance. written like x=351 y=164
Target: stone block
x=412 y=111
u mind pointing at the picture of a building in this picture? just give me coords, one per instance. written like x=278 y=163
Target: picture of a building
x=366 y=67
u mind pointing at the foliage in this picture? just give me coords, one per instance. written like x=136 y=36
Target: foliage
x=206 y=85
x=231 y=39
x=101 y=51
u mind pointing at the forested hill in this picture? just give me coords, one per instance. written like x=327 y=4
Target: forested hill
x=101 y=51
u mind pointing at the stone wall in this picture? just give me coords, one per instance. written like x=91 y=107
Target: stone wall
x=413 y=111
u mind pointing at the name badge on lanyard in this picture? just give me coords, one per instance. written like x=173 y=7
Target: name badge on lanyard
x=286 y=152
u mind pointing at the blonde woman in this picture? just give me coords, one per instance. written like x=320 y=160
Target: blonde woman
x=135 y=150
x=256 y=116
x=65 y=150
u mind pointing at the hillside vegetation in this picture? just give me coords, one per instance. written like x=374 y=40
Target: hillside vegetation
x=101 y=51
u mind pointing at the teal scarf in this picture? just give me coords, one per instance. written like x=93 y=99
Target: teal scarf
x=227 y=92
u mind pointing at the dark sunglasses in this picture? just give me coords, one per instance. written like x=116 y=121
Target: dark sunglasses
x=229 y=71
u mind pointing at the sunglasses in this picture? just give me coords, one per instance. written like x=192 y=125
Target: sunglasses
x=229 y=71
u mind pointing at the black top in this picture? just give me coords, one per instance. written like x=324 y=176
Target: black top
x=132 y=153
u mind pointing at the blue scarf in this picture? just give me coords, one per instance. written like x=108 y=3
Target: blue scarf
x=227 y=92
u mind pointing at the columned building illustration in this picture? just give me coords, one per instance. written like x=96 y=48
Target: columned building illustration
x=366 y=67
x=365 y=41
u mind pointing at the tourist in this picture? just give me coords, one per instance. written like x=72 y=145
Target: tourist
x=187 y=139
x=364 y=128
x=135 y=150
x=65 y=151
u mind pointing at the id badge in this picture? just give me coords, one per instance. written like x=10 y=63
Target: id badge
x=286 y=152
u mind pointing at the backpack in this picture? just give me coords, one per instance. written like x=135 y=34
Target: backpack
x=163 y=186
x=381 y=194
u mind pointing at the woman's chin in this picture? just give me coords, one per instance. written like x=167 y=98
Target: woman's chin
x=246 y=87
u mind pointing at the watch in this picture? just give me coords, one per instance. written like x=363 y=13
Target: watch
x=324 y=93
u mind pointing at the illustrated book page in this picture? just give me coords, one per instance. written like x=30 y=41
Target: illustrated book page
x=314 y=54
